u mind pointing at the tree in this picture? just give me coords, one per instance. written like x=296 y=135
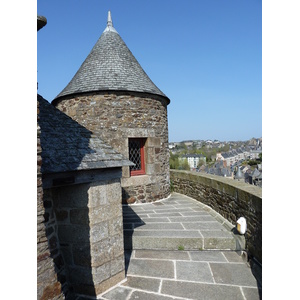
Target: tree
x=184 y=165
x=201 y=163
x=174 y=163
x=260 y=156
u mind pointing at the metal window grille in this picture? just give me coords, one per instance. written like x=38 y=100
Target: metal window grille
x=136 y=155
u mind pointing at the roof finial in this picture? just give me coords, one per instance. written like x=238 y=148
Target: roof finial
x=109 y=26
x=109 y=20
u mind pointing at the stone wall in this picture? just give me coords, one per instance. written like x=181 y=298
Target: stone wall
x=230 y=198
x=117 y=116
x=48 y=286
x=90 y=234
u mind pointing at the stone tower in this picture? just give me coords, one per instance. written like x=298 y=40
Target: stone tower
x=112 y=96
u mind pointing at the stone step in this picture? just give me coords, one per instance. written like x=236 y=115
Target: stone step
x=144 y=242
x=201 y=235
x=177 y=224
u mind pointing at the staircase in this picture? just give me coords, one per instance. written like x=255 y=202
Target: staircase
x=177 y=223
x=155 y=269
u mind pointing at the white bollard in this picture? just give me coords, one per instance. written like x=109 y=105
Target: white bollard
x=241 y=225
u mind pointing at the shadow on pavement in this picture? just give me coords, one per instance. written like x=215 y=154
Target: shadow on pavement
x=130 y=221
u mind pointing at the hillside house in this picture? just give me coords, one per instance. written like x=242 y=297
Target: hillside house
x=193 y=159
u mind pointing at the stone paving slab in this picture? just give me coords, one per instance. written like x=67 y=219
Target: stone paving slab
x=203 y=225
x=173 y=255
x=194 y=290
x=192 y=218
x=151 y=268
x=252 y=293
x=168 y=233
x=182 y=275
x=159 y=226
x=211 y=256
x=184 y=218
x=143 y=283
x=118 y=293
x=232 y=273
x=193 y=271
x=194 y=213
x=164 y=214
x=148 y=296
x=163 y=243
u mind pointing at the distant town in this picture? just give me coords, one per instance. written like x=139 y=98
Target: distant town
x=237 y=160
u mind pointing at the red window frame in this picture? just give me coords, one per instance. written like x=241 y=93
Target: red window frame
x=141 y=143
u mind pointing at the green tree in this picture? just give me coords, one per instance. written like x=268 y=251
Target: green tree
x=184 y=165
x=200 y=163
x=174 y=163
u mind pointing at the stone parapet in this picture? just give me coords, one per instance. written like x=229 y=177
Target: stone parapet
x=230 y=198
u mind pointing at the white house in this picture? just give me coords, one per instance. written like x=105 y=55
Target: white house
x=193 y=159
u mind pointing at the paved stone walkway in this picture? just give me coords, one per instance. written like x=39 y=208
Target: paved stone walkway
x=178 y=222
x=162 y=263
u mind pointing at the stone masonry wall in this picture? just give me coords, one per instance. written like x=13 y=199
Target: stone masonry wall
x=48 y=286
x=117 y=116
x=231 y=198
x=90 y=233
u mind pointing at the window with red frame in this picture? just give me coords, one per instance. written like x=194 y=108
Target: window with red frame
x=137 y=156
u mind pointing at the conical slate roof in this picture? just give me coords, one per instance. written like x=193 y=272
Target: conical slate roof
x=110 y=66
x=239 y=174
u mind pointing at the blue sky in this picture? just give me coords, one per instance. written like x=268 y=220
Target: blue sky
x=206 y=56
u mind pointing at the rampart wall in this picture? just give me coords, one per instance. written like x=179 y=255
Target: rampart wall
x=230 y=198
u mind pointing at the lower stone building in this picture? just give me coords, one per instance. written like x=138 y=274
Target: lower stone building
x=80 y=230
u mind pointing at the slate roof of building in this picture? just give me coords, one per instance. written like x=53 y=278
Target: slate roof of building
x=41 y=22
x=110 y=66
x=255 y=173
x=239 y=174
x=193 y=155
x=68 y=146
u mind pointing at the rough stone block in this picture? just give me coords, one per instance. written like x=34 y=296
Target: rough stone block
x=150 y=155
x=52 y=291
x=79 y=216
x=75 y=196
x=115 y=225
x=101 y=273
x=153 y=142
x=82 y=254
x=73 y=234
x=117 y=265
x=108 y=283
x=98 y=232
x=97 y=195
